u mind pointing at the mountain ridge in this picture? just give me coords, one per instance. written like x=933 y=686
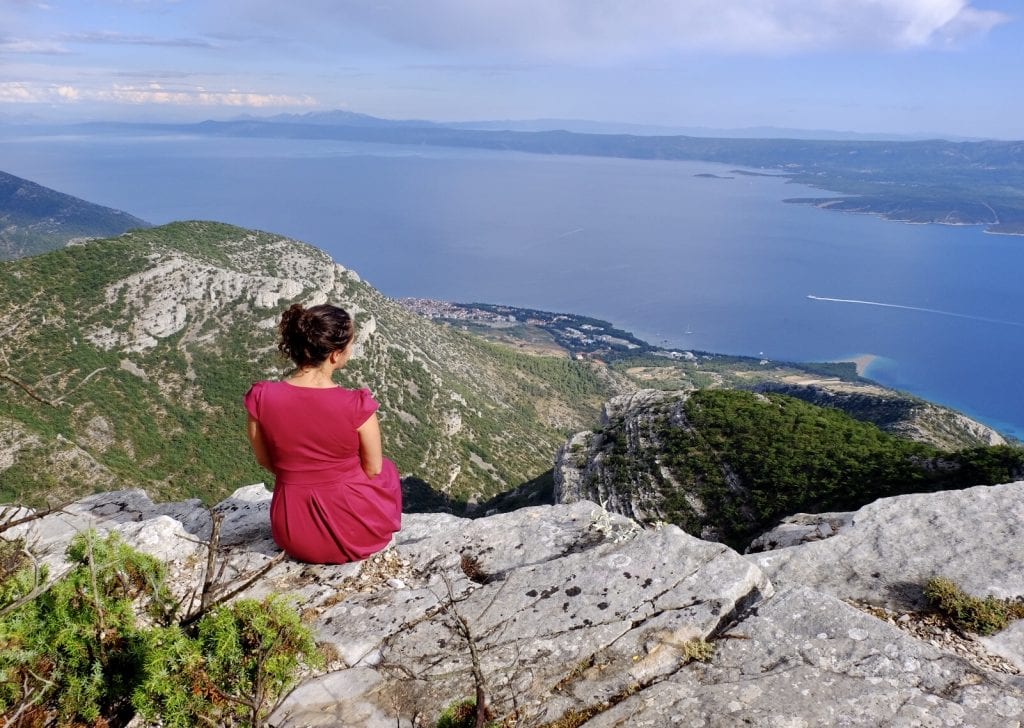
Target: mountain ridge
x=125 y=361
x=725 y=465
x=34 y=219
x=132 y=355
x=592 y=126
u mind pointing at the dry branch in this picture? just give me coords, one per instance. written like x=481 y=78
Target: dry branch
x=28 y=390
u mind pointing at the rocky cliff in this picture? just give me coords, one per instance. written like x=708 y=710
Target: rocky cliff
x=581 y=616
x=835 y=385
x=725 y=465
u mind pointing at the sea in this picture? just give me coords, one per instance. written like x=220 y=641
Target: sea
x=689 y=255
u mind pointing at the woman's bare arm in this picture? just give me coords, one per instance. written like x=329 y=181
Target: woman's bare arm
x=259 y=447
x=370 y=453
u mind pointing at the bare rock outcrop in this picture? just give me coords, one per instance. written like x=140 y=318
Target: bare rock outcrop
x=801 y=528
x=574 y=611
x=583 y=471
x=895 y=545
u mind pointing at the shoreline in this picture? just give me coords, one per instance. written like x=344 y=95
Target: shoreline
x=863 y=362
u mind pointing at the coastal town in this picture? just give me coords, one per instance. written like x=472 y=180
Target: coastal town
x=582 y=336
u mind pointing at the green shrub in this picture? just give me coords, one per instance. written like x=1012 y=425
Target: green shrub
x=698 y=650
x=245 y=657
x=460 y=714
x=78 y=654
x=971 y=614
x=78 y=647
x=175 y=687
x=253 y=650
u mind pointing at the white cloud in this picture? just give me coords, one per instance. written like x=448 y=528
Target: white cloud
x=113 y=38
x=26 y=45
x=153 y=93
x=626 y=28
x=17 y=92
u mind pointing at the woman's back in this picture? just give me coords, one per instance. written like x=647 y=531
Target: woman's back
x=336 y=497
x=309 y=430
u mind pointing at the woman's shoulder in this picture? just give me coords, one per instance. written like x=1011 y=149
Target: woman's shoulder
x=360 y=393
x=254 y=398
x=362 y=404
x=262 y=386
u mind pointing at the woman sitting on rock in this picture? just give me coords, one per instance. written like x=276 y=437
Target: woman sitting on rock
x=336 y=498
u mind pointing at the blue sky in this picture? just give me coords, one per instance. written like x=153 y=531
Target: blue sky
x=951 y=67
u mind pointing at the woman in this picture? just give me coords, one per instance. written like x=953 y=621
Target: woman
x=336 y=499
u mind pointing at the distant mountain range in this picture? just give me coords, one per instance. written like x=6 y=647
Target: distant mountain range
x=924 y=181
x=585 y=126
x=34 y=219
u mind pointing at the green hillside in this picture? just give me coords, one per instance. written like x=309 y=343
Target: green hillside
x=123 y=363
x=727 y=464
x=34 y=219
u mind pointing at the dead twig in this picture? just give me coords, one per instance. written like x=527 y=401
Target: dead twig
x=38 y=589
x=463 y=628
x=28 y=390
x=5 y=525
x=60 y=399
x=245 y=584
x=211 y=557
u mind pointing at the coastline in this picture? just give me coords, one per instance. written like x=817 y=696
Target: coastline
x=863 y=362
x=583 y=336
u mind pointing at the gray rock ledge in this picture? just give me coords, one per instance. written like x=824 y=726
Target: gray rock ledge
x=574 y=609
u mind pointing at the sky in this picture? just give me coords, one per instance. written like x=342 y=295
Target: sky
x=944 y=67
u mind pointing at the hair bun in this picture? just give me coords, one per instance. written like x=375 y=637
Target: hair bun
x=308 y=336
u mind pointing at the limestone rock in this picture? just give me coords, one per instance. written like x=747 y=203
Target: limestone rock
x=807 y=659
x=540 y=590
x=161 y=299
x=1008 y=644
x=895 y=545
x=581 y=468
x=575 y=611
x=801 y=528
x=14 y=438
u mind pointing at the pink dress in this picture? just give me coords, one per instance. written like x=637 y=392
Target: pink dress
x=325 y=509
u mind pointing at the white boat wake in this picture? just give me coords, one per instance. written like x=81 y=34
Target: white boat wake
x=567 y=234
x=1003 y=322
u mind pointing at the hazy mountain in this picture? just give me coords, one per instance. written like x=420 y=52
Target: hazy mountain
x=590 y=126
x=930 y=181
x=583 y=126
x=338 y=117
x=34 y=218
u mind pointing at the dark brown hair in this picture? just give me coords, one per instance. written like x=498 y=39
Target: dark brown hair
x=309 y=335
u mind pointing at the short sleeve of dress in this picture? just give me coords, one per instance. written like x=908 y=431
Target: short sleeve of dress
x=365 y=405
x=253 y=398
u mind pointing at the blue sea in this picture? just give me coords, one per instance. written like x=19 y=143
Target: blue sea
x=694 y=262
